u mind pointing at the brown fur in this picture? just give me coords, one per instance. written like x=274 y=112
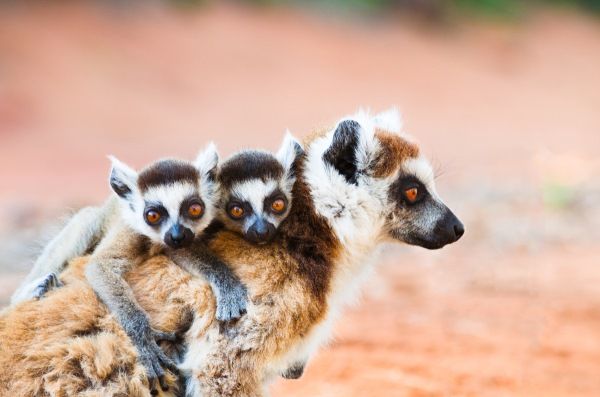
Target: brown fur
x=288 y=283
x=68 y=344
x=167 y=171
x=394 y=151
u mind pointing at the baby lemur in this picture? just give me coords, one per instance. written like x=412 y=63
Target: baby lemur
x=162 y=208
x=255 y=197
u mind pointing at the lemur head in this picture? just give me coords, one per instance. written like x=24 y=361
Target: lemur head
x=256 y=190
x=380 y=177
x=170 y=201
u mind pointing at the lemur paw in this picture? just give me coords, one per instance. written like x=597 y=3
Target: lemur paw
x=155 y=362
x=49 y=283
x=160 y=336
x=294 y=372
x=231 y=304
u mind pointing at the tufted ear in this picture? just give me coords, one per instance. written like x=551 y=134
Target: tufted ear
x=207 y=161
x=287 y=154
x=123 y=179
x=341 y=154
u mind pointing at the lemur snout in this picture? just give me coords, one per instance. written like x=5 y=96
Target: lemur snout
x=261 y=232
x=179 y=236
x=449 y=229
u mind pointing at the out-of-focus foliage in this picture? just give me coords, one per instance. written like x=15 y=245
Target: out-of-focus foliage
x=440 y=7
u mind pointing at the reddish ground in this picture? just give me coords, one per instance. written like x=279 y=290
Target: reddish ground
x=506 y=110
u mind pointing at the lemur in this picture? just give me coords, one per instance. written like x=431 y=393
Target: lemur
x=252 y=197
x=358 y=185
x=163 y=207
x=255 y=197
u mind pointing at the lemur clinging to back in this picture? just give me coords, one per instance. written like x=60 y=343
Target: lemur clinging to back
x=166 y=205
x=252 y=197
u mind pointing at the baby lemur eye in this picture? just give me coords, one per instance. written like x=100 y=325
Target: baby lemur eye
x=278 y=205
x=153 y=217
x=195 y=210
x=236 y=212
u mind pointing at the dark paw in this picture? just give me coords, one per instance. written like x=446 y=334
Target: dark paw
x=294 y=372
x=49 y=283
x=231 y=304
x=156 y=362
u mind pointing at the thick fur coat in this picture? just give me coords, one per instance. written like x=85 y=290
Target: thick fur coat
x=343 y=209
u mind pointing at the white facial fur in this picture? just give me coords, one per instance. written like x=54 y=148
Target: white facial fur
x=254 y=192
x=171 y=195
x=259 y=177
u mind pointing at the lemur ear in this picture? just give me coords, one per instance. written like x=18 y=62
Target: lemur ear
x=207 y=161
x=341 y=154
x=123 y=179
x=289 y=151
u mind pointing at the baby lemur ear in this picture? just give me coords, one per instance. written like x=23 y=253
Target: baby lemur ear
x=341 y=154
x=287 y=154
x=207 y=161
x=123 y=179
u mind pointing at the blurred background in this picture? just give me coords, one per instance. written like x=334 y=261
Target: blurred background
x=504 y=96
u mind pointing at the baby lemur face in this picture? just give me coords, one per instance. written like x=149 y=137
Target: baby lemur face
x=256 y=191
x=170 y=201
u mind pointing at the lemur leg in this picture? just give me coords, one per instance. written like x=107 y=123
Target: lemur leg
x=230 y=293
x=295 y=371
x=75 y=239
x=115 y=256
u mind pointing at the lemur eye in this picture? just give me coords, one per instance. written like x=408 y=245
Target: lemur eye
x=195 y=211
x=236 y=212
x=411 y=194
x=153 y=217
x=278 y=205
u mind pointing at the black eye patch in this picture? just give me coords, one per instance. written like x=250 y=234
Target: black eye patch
x=189 y=201
x=158 y=208
x=244 y=205
x=408 y=191
x=275 y=195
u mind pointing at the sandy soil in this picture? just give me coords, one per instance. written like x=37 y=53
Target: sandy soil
x=508 y=111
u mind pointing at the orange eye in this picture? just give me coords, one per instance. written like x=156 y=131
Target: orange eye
x=152 y=217
x=278 y=205
x=411 y=194
x=195 y=210
x=236 y=212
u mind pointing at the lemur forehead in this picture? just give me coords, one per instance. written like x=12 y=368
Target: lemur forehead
x=393 y=151
x=167 y=172
x=247 y=165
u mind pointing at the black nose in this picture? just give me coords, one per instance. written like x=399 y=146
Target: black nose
x=453 y=228
x=260 y=232
x=459 y=229
x=178 y=236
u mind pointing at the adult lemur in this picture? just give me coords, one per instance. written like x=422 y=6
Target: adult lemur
x=165 y=206
x=359 y=184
